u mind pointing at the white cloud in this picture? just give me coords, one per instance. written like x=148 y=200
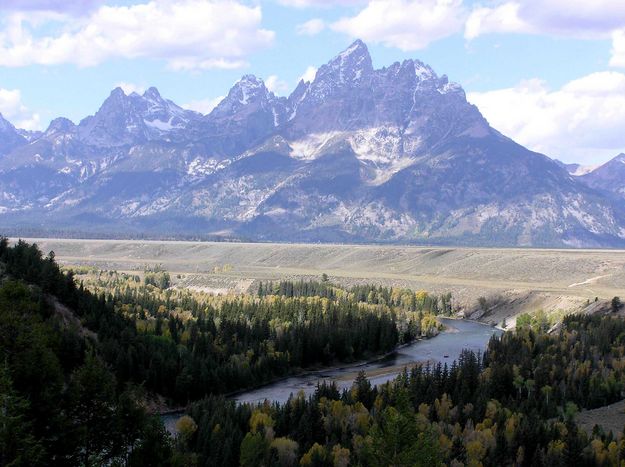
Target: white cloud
x=576 y=18
x=618 y=48
x=129 y=88
x=504 y=18
x=12 y=108
x=598 y=19
x=276 y=85
x=405 y=24
x=204 y=106
x=309 y=75
x=72 y=6
x=188 y=34
x=320 y=3
x=583 y=121
x=311 y=27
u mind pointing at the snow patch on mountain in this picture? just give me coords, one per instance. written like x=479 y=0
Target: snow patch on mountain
x=161 y=125
x=310 y=147
x=199 y=167
x=585 y=169
x=382 y=151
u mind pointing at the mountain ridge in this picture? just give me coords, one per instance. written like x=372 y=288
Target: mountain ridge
x=608 y=177
x=395 y=154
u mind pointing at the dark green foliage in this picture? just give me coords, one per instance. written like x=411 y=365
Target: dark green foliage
x=157 y=277
x=59 y=403
x=513 y=406
x=616 y=304
x=244 y=343
x=298 y=289
x=18 y=445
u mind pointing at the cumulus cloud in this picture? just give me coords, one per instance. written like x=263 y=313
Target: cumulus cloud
x=405 y=24
x=276 y=85
x=129 y=88
x=309 y=75
x=503 y=18
x=203 y=106
x=188 y=34
x=311 y=28
x=12 y=108
x=72 y=6
x=574 y=18
x=583 y=121
x=618 y=48
x=320 y=3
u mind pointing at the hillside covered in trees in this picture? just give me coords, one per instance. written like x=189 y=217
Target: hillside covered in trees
x=515 y=405
x=79 y=359
x=78 y=364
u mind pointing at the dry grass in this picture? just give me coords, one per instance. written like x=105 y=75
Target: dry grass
x=513 y=280
x=610 y=418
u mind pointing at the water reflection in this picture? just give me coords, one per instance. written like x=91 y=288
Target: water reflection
x=445 y=347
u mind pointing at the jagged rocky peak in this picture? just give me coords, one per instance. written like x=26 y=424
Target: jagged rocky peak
x=9 y=136
x=116 y=103
x=422 y=71
x=5 y=125
x=249 y=103
x=116 y=96
x=609 y=177
x=145 y=105
x=351 y=66
x=389 y=154
x=349 y=94
x=152 y=94
x=130 y=119
x=249 y=90
x=162 y=115
x=60 y=125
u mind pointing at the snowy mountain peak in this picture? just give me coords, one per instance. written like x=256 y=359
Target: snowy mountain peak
x=248 y=91
x=152 y=93
x=250 y=80
x=422 y=71
x=358 y=49
x=249 y=88
x=351 y=65
x=363 y=154
x=130 y=119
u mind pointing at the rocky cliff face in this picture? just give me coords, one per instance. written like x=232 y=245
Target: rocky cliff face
x=358 y=154
x=10 y=137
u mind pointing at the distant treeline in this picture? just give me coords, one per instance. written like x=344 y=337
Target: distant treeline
x=375 y=295
x=122 y=234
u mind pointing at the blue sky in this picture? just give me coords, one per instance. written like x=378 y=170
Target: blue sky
x=549 y=73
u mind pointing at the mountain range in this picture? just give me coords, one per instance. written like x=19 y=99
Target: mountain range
x=358 y=154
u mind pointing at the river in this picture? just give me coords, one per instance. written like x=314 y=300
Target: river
x=445 y=347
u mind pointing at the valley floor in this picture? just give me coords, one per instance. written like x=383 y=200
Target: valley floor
x=512 y=281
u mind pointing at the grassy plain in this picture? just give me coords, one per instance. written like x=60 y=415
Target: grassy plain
x=511 y=281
